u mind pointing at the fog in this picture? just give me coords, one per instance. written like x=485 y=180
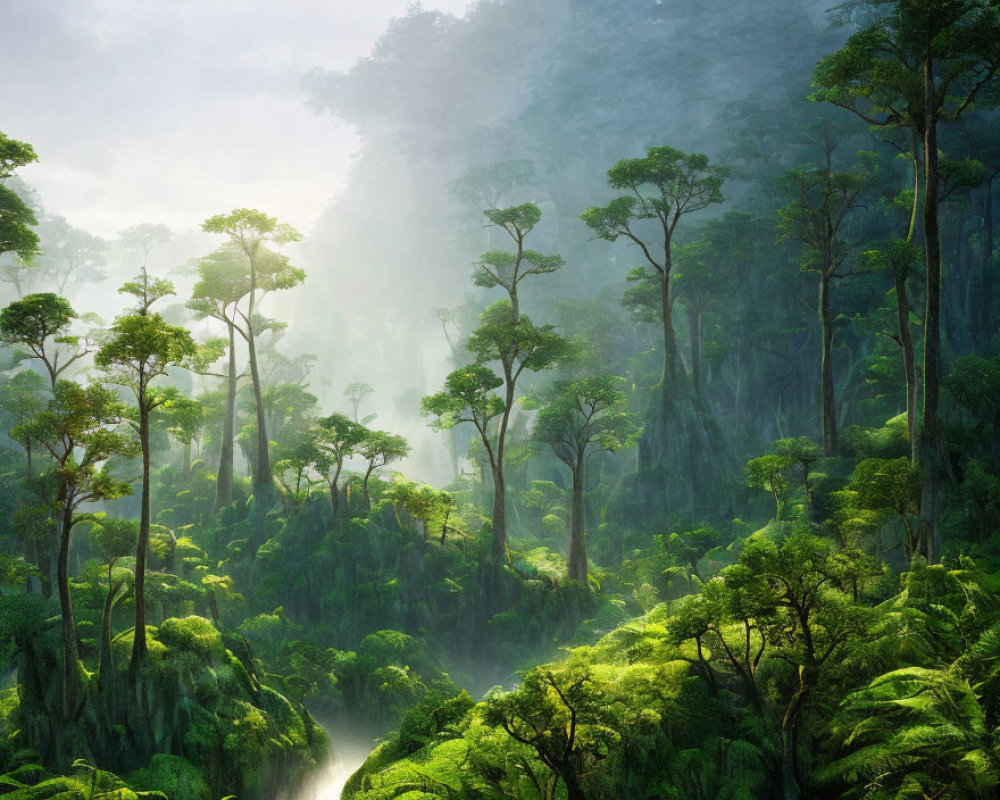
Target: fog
x=727 y=279
x=355 y=129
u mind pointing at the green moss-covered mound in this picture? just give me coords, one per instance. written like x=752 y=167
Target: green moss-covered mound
x=209 y=708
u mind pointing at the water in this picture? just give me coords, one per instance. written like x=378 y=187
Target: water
x=329 y=782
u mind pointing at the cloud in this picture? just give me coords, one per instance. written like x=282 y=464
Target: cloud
x=170 y=112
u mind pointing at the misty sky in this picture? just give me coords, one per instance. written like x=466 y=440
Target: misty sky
x=169 y=112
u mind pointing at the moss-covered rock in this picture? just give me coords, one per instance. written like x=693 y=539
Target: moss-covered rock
x=208 y=710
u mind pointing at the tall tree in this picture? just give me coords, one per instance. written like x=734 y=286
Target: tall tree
x=140 y=347
x=77 y=430
x=900 y=256
x=821 y=199
x=223 y=282
x=582 y=418
x=505 y=337
x=659 y=189
x=41 y=323
x=21 y=399
x=469 y=394
x=250 y=232
x=916 y=64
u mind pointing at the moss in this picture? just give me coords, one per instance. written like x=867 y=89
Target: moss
x=195 y=635
x=62 y=788
x=108 y=787
x=284 y=718
x=176 y=777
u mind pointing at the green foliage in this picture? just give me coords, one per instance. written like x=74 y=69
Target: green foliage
x=192 y=634
x=974 y=382
x=422 y=502
x=914 y=731
x=888 y=441
x=40 y=322
x=507 y=270
x=560 y=716
x=147 y=290
x=245 y=738
x=877 y=74
x=822 y=200
x=771 y=473
x=689 y=547
x=140 y=347
x=467 y=397
x=795 y=589
x=517 y=345
x=174 y=776
x=16 y=218
x=729 y=683
x=114 y=538
x=883 y=483
x=223 y=279
x=584 y=416
x=337 y=438
x=663 y=185
x=13 y=155
x=77 y=431
x=250 y=227
x=437 y=713
x=245 y=265
x=35 y=318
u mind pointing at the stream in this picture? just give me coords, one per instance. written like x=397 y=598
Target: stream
x=329 y=781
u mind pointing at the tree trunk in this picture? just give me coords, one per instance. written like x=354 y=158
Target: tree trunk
x=909 y=362
x=829 y=409
x=335 y=493
x=139 y=635
x=499 y=517
x=499 y=550
x=50 y=573
x=71 y=653
x=666 y=410
x=364 y=487
x=224 y=477
x=705 y=416
x=791 y=786
x=932 y=435
x=694 y=331
x=666 y=301
x=573 y=789
x=984 y=303
x=577 y=526
x=262 y=475
x=106 y=668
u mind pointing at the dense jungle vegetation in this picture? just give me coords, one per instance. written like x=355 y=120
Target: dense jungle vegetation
x=715 y=287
